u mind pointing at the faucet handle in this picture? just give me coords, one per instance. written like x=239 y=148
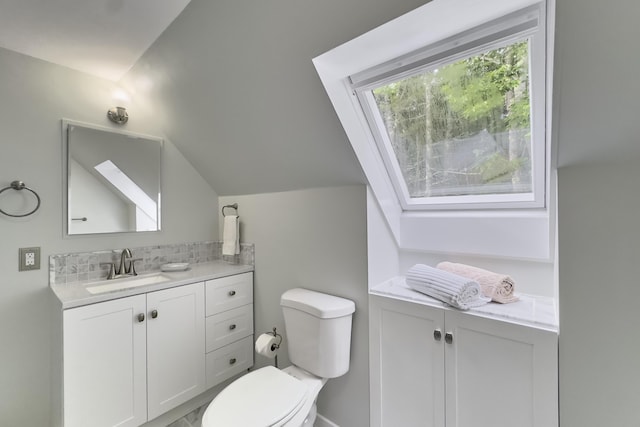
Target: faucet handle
x=112 y=269
x=132 y=266
x=124 y=256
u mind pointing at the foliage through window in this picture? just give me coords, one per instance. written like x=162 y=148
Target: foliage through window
x=463 y=128
x=462 y=124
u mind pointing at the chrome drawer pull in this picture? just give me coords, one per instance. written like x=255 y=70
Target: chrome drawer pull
x=154 y=314
x=232 y=361
x=232 y=327
x=437 y=334
x=141 y=317
x=232 y=293
x=448 y=337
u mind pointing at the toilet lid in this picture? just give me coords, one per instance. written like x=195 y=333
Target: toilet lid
x=261 y=398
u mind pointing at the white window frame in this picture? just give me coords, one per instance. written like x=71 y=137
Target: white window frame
x=528 y=23
x=526 y=234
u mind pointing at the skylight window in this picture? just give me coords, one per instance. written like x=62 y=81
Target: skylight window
x=146 y=212
x=483 y=196
x=461 y=124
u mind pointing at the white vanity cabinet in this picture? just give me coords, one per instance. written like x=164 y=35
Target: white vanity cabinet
x=128 y=360
x=175 y=348
x=437 y=367
x=229 y=327
x=129 y=356
x=105 y=364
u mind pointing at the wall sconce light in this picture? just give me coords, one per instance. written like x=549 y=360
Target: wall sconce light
x=118 y=115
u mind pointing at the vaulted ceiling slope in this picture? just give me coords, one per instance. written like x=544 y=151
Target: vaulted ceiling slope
x=233 y=83
x=100 y=37
x=596 y=98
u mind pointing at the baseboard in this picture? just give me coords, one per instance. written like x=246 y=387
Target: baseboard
x=324 y=422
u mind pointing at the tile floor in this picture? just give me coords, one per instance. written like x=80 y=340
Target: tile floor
x=193 y=419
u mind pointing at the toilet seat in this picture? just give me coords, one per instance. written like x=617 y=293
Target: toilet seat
x=266 y=397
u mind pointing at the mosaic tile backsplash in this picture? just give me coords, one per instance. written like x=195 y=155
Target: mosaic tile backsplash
x=94 y=266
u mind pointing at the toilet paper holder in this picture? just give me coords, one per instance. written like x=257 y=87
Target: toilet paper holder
x=275 y=346
x=275 y=333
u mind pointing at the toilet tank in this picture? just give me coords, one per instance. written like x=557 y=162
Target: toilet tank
x=318 y=331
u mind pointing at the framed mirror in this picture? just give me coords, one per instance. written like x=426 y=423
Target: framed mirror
x=112 y=180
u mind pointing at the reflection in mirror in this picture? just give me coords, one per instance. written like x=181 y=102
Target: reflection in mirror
x=113 y=180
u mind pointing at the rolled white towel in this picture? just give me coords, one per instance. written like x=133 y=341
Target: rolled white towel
x=450 y=288
x=498 y=287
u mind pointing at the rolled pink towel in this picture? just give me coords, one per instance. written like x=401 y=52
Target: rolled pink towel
x=498 y=287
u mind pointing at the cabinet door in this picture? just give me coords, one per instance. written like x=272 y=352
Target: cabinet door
x=500 y=374
x=406 y=364
x=104 y=364
x=175 y=347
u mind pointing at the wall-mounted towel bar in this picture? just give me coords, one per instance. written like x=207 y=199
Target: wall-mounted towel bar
x=19 y=185
x=233 y=206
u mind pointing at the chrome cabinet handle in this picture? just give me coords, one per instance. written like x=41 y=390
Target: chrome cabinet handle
x=141 y=317
x=448 y=337
x=232 y=326
x=154 y=314
x=232 y=361
x=437 y=334
x=232 y=293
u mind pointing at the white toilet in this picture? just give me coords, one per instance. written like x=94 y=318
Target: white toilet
x=318 y=328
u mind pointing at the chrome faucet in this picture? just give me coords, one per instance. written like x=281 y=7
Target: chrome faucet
x=126 y=253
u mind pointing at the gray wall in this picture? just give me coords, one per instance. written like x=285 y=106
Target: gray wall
x=314 y=239
x=34 y=96
x=599 y=294
x=237 y=91
x=597 y=99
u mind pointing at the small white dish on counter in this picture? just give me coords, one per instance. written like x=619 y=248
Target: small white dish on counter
x=175 y=266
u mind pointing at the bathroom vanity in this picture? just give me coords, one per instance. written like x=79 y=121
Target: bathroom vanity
x=130 y=355
x=435 y=366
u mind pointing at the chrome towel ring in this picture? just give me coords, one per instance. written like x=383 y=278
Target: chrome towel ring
x=19 y=185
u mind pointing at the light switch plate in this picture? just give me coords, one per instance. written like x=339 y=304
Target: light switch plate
x=29 y=259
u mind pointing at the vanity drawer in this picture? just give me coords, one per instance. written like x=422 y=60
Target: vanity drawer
x=229 y=326
x=229 y=360
x=228 y=292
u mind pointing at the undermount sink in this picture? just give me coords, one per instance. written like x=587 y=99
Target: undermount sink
x=123 y=283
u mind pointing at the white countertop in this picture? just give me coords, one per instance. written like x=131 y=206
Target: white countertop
x=531 y=310
x=76 y=295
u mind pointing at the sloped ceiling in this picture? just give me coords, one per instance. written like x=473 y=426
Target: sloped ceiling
x=230 y=82
x=596 y=100
x=235 y=88
x=100 y=37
